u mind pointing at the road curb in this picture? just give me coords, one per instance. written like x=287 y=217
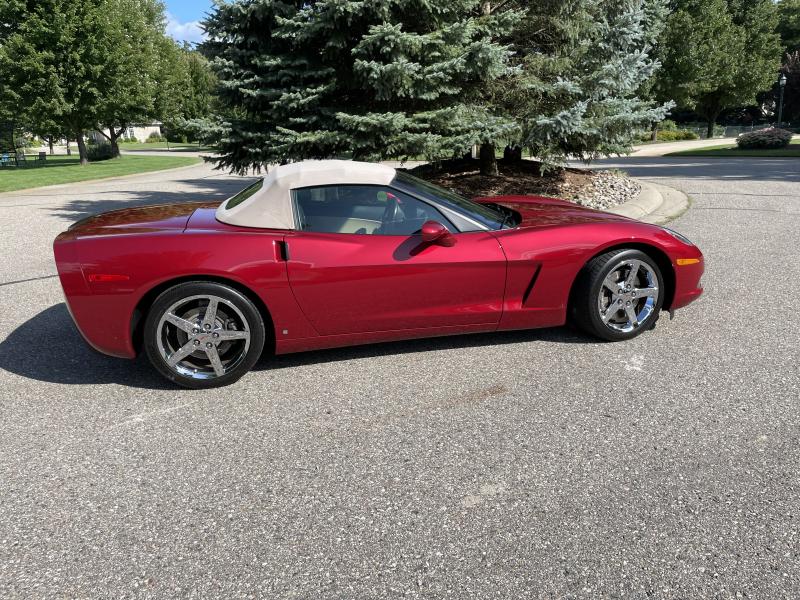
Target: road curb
x=656 y=203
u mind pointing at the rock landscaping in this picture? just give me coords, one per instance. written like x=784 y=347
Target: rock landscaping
x=595 y=189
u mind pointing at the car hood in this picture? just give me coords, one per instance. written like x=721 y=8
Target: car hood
x=139 y=219
x=539 y=211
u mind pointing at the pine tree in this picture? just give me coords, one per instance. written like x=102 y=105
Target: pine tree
x=582 y=67
x=372 y=80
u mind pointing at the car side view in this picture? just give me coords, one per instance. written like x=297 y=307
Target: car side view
x=324 y=254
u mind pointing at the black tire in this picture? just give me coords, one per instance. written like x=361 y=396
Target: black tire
x=233 y=316
x=585 y=305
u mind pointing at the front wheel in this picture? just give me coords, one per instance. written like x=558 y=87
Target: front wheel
x=619 y=295
x=203 y=334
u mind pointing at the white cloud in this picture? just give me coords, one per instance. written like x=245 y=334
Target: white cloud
x=191 y=31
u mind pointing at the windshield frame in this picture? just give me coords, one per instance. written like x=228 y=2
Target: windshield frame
x=485 y=217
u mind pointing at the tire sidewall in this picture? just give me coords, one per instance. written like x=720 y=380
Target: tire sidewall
x=596 y=285
x=184 y=290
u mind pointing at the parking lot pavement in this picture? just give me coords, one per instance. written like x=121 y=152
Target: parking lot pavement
x=502 y=466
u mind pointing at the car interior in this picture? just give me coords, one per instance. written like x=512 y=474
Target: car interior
x=362 y=210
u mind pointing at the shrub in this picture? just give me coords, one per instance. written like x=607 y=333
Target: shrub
x=130 y=140
x=668 y=125
x=670 y=135
x=676 y=135
x=154 y=138
x=765 y=138
x=99 y=152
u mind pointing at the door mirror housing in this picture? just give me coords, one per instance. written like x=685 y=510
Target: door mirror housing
x=434 y=232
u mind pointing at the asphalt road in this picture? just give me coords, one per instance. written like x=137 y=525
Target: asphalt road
x=533 y=464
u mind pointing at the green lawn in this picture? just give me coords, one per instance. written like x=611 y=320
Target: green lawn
x=731 y=150
x=176 y=147
x=67 y=169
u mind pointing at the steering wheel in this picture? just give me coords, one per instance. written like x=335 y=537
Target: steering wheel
x=392 y=213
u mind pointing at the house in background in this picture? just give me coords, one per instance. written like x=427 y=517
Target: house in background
x=140 y=132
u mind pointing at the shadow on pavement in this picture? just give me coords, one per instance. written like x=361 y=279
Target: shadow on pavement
x=560 y=335
x=49 y=348
x=208 y=190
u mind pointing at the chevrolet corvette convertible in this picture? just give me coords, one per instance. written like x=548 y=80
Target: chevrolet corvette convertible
x=322 y=254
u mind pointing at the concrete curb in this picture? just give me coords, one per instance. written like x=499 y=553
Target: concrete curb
x=656 y=204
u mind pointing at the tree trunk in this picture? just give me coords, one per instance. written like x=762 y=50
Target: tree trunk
x=113 y=139
x=488 y=160
x=512 y=154
x=711 y=122
x=50 y=143
x=654 y=137
x=82 y=149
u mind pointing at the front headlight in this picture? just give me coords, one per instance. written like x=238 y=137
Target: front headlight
x=679 y=236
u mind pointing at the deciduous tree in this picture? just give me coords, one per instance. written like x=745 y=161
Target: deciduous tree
x=718 y=54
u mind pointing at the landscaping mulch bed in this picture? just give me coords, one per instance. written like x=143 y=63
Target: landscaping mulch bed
x=595 y=189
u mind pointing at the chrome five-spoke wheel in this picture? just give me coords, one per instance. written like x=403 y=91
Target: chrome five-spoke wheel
x=203 y=337
x=203 y=334
x=628 y=295
x=618 y=295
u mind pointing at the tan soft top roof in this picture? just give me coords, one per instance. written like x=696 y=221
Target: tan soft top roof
x=271 y=207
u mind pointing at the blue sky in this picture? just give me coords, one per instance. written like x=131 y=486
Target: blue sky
x=183 y=19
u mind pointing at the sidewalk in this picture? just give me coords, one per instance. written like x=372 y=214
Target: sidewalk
x=662 y=148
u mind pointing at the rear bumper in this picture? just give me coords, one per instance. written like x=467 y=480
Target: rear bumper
x=103 y=321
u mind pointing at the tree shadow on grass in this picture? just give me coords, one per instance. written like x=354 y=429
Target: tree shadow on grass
x=49 y=348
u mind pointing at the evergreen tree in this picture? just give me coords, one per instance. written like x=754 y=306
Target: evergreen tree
x=718 y=54
x=579 y=68
x=594 y=103
x=314 y=79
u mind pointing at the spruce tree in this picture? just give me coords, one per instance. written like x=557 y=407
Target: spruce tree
x=369 y=79
x=582 y=66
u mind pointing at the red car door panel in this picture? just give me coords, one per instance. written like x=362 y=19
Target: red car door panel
x=349 y=283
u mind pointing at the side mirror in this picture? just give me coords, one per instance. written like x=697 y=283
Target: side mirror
x=434 y=232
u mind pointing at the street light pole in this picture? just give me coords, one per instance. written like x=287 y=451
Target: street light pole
x=782 y=85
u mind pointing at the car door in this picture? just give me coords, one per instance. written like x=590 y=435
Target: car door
x=358 y=264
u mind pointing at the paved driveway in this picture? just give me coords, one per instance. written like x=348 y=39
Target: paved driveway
x=504 y=466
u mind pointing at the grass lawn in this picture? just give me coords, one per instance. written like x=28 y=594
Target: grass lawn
x=67 y=169
x=174 y=147
x=732 y=150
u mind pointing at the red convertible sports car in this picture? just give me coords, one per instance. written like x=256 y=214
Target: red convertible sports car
x=334 y=253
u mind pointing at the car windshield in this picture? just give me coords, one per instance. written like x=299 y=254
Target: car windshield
x=485 y=215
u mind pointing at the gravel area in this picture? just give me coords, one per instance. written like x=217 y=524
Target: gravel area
x=606 y=190
x=587 y=187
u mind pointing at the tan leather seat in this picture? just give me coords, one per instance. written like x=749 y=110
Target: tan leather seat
x=341 y=225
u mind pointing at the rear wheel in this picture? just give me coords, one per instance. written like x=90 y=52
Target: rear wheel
x=619 y=295
x=203 y=334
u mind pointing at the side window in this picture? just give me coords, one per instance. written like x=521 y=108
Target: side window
x=362 y=210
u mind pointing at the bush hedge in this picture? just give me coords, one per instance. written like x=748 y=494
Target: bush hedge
x=154 y=138
x=771 y=138
x=670 y=135
x=98 y=152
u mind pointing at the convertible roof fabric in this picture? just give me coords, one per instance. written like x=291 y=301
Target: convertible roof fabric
x=271 y=207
